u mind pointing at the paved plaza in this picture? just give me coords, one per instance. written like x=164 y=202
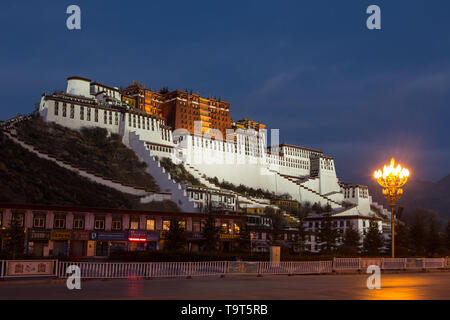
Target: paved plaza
x=351 y=286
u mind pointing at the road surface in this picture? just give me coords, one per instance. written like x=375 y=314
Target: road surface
x=393 y=286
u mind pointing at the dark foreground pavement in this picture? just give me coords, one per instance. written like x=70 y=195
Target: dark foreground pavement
x=393 y=286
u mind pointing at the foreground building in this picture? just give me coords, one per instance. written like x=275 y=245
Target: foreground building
x=97 y=232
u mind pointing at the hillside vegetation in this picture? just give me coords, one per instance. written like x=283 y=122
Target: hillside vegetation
x=179 y=173
x=91 y=149
x=27 y=179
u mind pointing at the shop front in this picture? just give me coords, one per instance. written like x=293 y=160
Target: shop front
x=105 y=242
x=195 y=240
x=60 y=242
x=226 y=242
x=153 y=240
x=78 y=243
x=143 y=240
x=38 y=243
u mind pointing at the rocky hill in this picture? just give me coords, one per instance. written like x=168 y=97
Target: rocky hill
x=26 y=178
x=91 y=149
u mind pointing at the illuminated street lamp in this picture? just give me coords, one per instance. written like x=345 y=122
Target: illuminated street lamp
x=392 y=179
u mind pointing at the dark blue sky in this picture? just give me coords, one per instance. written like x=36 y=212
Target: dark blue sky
x=310 y=68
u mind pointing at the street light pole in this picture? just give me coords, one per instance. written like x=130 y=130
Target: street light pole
x=392 y=179
x=393 y=228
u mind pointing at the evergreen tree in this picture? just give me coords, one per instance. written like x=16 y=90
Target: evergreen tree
x=300 y=238
x=328 y=235
x=211 y=234
x=373 y=241
x=244 y=238
x=317 y=208
x=402 y=240
x=434 y=241
x=277 y=226
x=351 y=242
x=447 y=236
x=16 y=238
x=418 y=233
x=175 y=238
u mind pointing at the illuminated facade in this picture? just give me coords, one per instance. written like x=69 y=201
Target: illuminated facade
x=183 y=109
x=146 y=100
x=248 y=124
x=302 y=174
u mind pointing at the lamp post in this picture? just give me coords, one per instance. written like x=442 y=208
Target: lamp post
x=392 y=179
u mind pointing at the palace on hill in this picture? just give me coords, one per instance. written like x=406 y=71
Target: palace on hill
x=199 y=133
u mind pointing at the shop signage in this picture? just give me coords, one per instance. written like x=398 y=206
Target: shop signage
x=80 y=235
x=136 y=235
x=153 y=236
x=108 y=236
x=39 y=235
x=227 y=236
x=195 y=235
x=60 y=235
x=29 y=268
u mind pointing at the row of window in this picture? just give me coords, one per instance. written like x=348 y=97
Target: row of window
x=60 y=222
x=85 y=113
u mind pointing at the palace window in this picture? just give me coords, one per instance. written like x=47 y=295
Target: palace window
x=64 y=110
x=134 y=223
x=96 y=115
x=88 y=114
x=116 y=118
x=150 y=224
x=116 y=223
x=105 y=116
x=72 y=111
x=78 y=222
x=56 y=108
x=59 y=221
x=99 y=223
x=39 y=220
x=81 y=113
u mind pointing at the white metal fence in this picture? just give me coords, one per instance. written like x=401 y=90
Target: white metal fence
x=135 y=270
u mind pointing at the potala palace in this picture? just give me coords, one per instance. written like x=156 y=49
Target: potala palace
x=199 y=133
x=225 y=158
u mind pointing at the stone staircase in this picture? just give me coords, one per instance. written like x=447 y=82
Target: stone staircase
x=178 y=191
x=197 y=174
x=300 y=183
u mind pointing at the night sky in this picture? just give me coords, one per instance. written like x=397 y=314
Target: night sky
x=310 y=68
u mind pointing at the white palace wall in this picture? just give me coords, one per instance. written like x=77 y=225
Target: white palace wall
x=304 y=174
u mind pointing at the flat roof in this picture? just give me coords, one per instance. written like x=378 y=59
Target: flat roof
x=78 y=78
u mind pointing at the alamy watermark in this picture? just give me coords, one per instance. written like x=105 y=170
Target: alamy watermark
x=374 y=20
x=374 y=281
x=74 y=278
x=73 y=22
